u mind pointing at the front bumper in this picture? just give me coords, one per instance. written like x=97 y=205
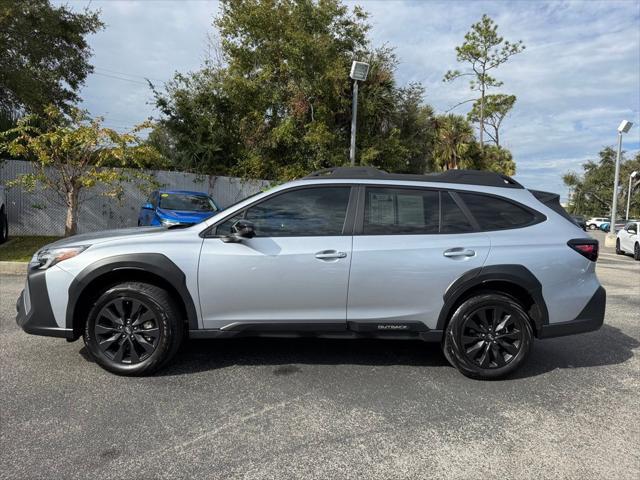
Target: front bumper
x=34 y=309
x=590 y=318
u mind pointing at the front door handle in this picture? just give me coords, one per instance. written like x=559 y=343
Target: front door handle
x=330 y=255
x=459 y=252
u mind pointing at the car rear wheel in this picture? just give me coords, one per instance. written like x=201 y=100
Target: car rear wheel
x=592 y=226
x=618 y=249
x=488 y=337
x=133 y=329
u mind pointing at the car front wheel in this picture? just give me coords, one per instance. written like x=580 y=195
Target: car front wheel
x=636 y=252
x=488 y=337
x=592 y=226
x=133 y=329
x=618 y=249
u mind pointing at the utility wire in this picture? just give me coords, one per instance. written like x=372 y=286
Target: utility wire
x=120 y=78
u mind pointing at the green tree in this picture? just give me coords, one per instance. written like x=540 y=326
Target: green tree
x=199 y=130
x=395 y=128
x=73 y=153
x=592 y=190
x=496 y=108
x=44 y=56
x=495 y=159
x=454 y=142
x=483 y=50
x=276 y=102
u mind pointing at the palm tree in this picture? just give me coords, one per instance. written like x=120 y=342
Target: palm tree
x=454 y=137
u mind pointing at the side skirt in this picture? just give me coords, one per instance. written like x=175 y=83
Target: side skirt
x=338 y=330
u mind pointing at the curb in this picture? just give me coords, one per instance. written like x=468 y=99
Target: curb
x=13 y=268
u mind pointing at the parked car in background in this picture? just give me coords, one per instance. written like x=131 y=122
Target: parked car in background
x=176 y=207
x=606 y=226
x=594 y=222
x=4 y=221
x=470 y=260
x=628 y=241
x=580 y=221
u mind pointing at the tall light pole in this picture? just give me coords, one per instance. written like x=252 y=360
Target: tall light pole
x=359 y=72
x=631 y=177
x=610 y=239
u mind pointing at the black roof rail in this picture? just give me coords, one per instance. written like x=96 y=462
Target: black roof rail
x=466 y=177
x=348 y=172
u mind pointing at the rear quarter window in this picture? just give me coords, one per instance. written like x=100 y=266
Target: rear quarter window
x=494 y=213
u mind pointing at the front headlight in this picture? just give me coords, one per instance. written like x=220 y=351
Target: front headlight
x=48 y=257
x=167 y=223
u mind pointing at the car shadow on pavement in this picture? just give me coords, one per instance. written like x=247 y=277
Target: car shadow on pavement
x=607 y=346
x=285 y=353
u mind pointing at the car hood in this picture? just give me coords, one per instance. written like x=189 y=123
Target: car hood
x=97 y=237
x=184 y=216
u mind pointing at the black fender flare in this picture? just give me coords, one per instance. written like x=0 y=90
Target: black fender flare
x=518 y=275
x=154 y=263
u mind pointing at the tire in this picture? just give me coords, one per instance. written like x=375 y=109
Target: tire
x=636 y=252
x=133 y=329
x=592 y=226
x=472 y=344
x=619 y=251
x=4 y=226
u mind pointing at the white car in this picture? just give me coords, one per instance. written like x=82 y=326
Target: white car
x=595 y=222
x=628 y=241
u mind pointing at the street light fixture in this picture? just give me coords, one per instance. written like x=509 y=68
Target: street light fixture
x=359 y=72
x=610 y=239
x=631 y=177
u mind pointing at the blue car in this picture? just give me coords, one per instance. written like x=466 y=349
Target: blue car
x=176 y=207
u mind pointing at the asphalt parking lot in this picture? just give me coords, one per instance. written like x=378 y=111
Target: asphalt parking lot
x=262 y=408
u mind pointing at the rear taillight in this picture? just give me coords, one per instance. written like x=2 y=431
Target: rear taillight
x=587 y=247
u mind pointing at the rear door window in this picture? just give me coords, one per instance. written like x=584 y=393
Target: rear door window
x=453 y=220
x=493 y=213
x=393 y=211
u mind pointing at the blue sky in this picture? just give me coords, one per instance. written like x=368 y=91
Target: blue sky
x=577 y=79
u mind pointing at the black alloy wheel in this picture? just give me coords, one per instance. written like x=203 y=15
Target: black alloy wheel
x=127 y=330
x=618 y=249
x=134 y=328
x=488 y=336
x=491 y=337
x=636 y=251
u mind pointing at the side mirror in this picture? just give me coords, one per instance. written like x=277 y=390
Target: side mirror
x=632 y=232
x=239 y=230
x=147 y=206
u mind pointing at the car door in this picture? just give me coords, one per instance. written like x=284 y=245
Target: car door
x=410 y=245
x=626 y=237
x=294 y=271
x=147 y=214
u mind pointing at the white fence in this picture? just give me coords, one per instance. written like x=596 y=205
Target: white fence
x=41 y=213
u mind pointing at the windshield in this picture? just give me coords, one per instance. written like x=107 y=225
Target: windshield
x=187 y=202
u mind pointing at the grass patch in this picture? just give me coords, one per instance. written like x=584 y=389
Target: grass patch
x=21 y=249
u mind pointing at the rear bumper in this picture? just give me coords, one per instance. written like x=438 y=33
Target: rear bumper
x=34 y=309
x=590 y=318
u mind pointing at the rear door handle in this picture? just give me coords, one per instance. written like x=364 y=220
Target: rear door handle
x=330 y=255
x=459 y=252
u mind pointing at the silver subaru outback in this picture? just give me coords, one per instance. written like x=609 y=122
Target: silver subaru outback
x=469 y=259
